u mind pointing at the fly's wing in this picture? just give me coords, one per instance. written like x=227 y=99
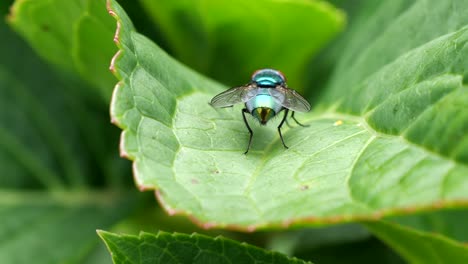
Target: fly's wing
x=234 y=96
x=290 y=99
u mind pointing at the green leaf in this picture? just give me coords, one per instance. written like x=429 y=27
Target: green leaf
x=375 y=147
x=45 y=126
x=414 y=91
x=181 y=248
x=308 y=239
x=230 y=39
x=420 y=247
x=36 y=129
x=55 y=228
x=54 y=152
x=365 y=251
x=450 y=223
x=74 y=35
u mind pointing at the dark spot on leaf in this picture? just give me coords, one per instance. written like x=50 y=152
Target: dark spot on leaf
x=45 y=28
x=194 y=181
x=304 y=187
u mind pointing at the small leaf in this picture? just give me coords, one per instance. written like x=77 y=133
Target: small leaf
x=230 y=39
x=181 y=248
x=382 y=146
x=420 y=247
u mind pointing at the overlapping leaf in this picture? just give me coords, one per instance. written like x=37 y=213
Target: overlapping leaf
x=74 y=35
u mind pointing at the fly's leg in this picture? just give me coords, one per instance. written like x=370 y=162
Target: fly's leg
x=297 y=122
x=279 y=127
x=248 y=127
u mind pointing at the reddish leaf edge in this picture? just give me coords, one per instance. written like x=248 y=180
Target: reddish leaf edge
x=378 y=215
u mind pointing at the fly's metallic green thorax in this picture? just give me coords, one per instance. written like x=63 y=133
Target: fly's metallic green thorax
x=268 y=78
x=264 y=97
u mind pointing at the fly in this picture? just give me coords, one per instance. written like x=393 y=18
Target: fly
x=264 y=97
